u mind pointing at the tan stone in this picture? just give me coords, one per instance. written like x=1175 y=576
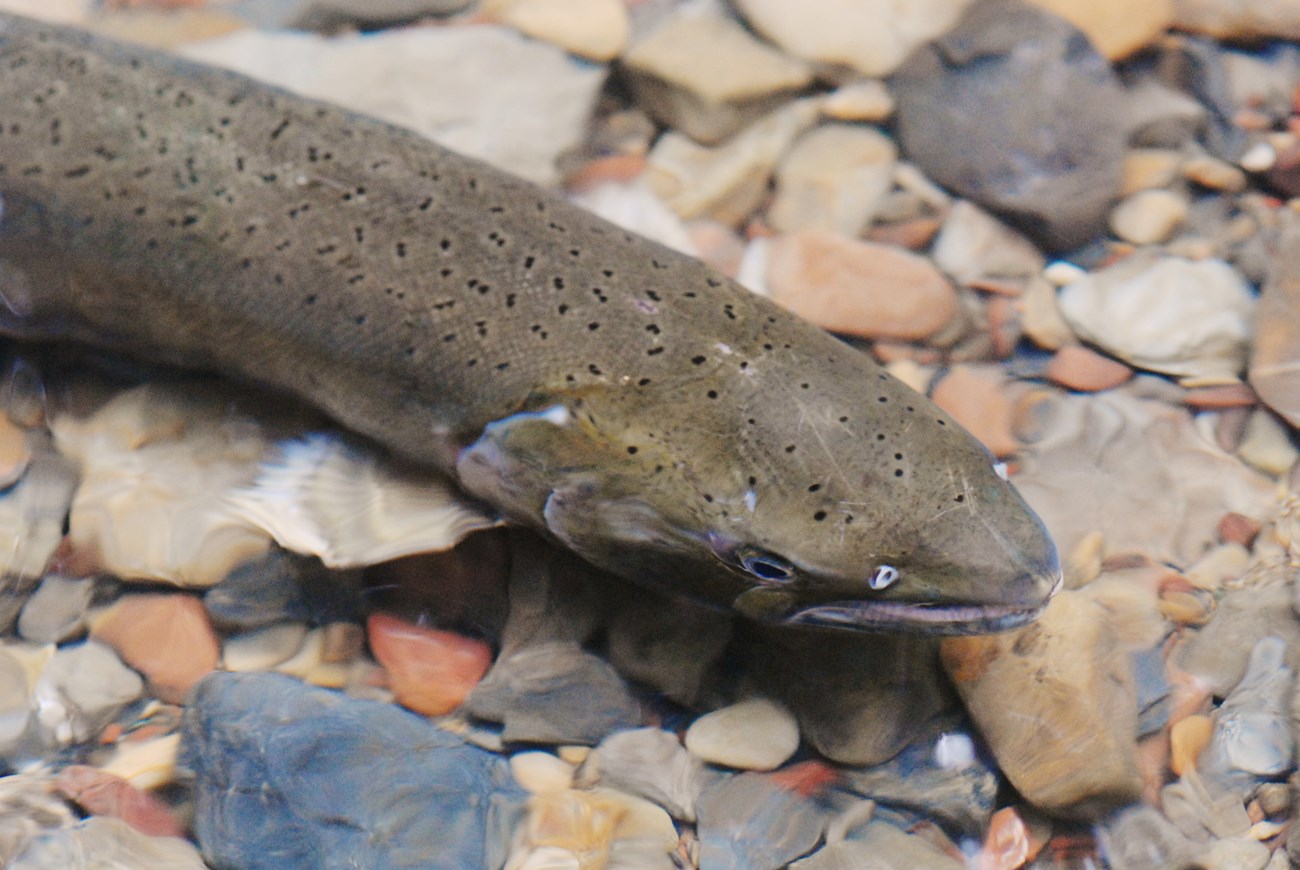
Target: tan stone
x=1116 y=27
x=700 y=72
x=1275 y=360
x=595 y=29
x=834 y=178
x=1057 y=704
x=1148 y=216
x=1239 y=19
x=1150 y=168
x=859 y=288
x=867 y=100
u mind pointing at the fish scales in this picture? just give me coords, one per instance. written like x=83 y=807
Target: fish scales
x=652 y=415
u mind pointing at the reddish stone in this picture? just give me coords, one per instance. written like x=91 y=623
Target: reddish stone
x=1076 y=367
x=1236 y=528
x=166 y=637
x=979 y=399
x=807 y=778
x=429 y=671
x=103 y=794
x=1221 y=396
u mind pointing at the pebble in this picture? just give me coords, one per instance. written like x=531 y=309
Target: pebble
x=1076 y=367
x=144 y=763
x=166 y=637
x=15 y=452
x=1140 y=838
x=1277 y=345
x=103 y=794
x=15 y=702
x=330 y=15
x=81 y=690
x=112 y=842
x=594 y=29
x=430 y=671
x=872 y=36
x=1266 y=443
x=1056 y=702
x=866 y=100
x=1238 y=19
x=1149 y=217
x=754 y=734
x=701 y=73
x=1215 y=174
x=310 y=776
x=32 y=516
x=746 y=822
x=980 y=399
x=1219 y=653
x=1252 y=726
x=726 y=182
x=1236 y=853
x=1160 y=490
x=262 y=648
x=283 y=586
x=1116 y=27
x=1187 y=740
x=541 y=772
x=501 y=97
x=1165 y=314
x=554 y=693
x=28 y=807
x=597 y=828
x=56 y=611
x=650 y=763
x=859 y=288
x=1150 y=168
x=1162 y=116
x=1040 y=316
x=973 y=246
x=834 y=178
x=880 y=845
x=1051 y=165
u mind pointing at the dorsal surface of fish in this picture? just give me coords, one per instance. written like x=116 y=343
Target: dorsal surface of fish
x=653 y=416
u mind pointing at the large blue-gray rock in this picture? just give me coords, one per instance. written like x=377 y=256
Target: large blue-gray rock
x=291 y=776
x=1015 y=110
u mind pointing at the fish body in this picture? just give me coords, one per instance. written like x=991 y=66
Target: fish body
x=650 y=414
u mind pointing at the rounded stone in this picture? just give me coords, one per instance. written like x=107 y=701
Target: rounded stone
x=754 y=734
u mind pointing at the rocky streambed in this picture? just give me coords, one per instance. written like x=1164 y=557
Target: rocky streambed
x=235 y=636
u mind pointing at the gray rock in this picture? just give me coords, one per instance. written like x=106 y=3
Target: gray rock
x=100 y=842
x=283 y=586
x=1015 y=110
x=959 y=797
x=746 y=822
x=554 y=693
x=1163 y=117
x=1153 y=690
x=879 y=846
x=57 y=609
x=80 y=691
x=1252 y=728
x=287 y=775
x=329 y=15
x=650 y=763
x=1220 y=652
x=15 y=702
x=1140 y=838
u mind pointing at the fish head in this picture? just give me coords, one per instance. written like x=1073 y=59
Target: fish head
x=837 y=499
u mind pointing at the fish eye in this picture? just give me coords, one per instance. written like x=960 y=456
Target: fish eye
x=883 y=577
x=766 y=566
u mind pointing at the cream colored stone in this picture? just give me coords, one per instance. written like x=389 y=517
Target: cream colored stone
x=973 y=245
x=1149 y=216
x=754 y=734
x=1166 y=314
x=728 y=182
x=1267 y=444
x=595 y=29
x=541 y=772
x=146 y=764
x=873 y=36
x=1215 y=174
x=1239 y=19
x=833 y=179
x=867 y=100
x=1150 y=168
x=1117 y=28
x=264 y=648
x=704 y=75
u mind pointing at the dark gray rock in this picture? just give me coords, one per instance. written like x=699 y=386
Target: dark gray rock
x=331 y=15
x=290 y=776
x=554 y=693
x=1015 y=110
x=284 y=586
x=747 y=822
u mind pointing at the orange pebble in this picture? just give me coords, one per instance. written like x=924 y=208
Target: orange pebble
x=1006 y=846
x=429 y=671
x=166 y=637
x=1187 y=739
x=807 y=778
x=1076 y=367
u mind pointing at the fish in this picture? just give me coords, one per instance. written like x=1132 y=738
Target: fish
x=636 y=407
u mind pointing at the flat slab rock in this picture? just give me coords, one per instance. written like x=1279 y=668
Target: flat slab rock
x=287 y=775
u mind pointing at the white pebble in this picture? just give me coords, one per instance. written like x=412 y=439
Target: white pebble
x=1260 y=157
x=756 y=734
x=540 y=772
x=1060 y=273
x=1148 y=216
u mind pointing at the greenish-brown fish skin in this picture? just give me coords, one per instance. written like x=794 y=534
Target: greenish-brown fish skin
x=655 y=417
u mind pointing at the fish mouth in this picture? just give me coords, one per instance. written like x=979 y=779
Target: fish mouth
x=922 y=618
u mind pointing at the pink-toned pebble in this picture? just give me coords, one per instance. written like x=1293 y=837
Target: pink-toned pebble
x=717 y=244
x=914 y=235
x=166 y=637
x=1221 y=396
x=979 y=400
x=1007 y=844
x=807 y=778
x=103 y=794
x=615 y=168
x=429 y=671
x=859 y=288
x=1004 y=325
x=1235 y=528
x=1076 y=367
